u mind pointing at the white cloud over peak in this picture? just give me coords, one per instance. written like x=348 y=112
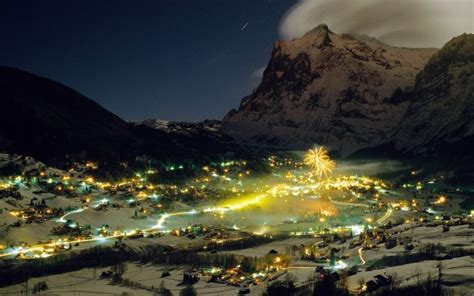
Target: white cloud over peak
x=412 y=23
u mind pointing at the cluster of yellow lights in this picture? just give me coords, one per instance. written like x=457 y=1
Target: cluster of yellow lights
x=5 y=186
x=441 y=200
x=16 y=213
x=92 y=165
x=319 y=161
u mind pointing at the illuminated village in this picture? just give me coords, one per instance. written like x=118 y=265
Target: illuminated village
x=299 y=218
x=223 y=148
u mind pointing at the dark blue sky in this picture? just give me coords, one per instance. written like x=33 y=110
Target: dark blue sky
x=169 y=59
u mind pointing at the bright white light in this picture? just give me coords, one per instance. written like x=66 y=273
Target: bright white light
x=340 y=265
x=102 y=239
x=63 y=220
x=356 y=229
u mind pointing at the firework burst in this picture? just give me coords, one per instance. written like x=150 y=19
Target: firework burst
x=318 y=160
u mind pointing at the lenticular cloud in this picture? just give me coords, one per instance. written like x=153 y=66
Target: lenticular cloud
x=411 y=23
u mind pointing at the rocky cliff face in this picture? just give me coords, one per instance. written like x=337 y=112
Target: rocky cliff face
x=328 y=88
x=441 y=110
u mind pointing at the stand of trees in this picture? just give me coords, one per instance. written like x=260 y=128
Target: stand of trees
x=13 y=271
x=426 y=252
x=329 y=286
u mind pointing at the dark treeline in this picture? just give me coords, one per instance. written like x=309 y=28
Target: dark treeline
x=178 y=171
x=426 y=252
x=328 y=286
x=187 y=257
x=194 y=258
x=14 y=272
x=10 y=169
x=249 y=242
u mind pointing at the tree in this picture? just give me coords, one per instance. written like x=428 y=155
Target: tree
x=325 y=287
x=118 y=269
x=439 y=266
x=393 y=288
x=290 y=280
x=39 y=287
x=246 y=265
x=163 y=291
x=361 y=284
x=333 y=258
x=188 y=291
x=277 y=289
x=343 y=282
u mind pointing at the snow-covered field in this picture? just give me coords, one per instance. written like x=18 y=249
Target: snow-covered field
x=279 y=246
x=83 y=282
x=457 y=274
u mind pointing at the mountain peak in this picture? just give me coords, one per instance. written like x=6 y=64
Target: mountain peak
x=462 y=46
x=318 y=29
x=319 y=36
x=459 y=50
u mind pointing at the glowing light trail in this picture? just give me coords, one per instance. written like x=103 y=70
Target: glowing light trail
x=360 y=256
x=385 y=217
x=63 y=218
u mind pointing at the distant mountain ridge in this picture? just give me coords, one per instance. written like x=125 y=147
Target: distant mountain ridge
x=183 y=127
x=45 y=119
x=52 y=118
x=206 y=129
x=327 y=88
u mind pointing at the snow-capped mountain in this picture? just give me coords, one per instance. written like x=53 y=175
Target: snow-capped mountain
x=207 y=130
x=441 y=110
x=328 y=88
x=182 y=127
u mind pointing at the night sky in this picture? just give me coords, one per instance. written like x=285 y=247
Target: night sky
x=174 y=60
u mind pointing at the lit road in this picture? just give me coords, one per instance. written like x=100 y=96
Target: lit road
x=385 y=216
x=63 y=218
x=159 y=225
x=360 y=256
x=341 y=203
x=299 y=267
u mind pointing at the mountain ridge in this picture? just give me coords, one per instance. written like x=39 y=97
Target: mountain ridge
x=50 y=121
x=327 y=88
x=441 y=110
